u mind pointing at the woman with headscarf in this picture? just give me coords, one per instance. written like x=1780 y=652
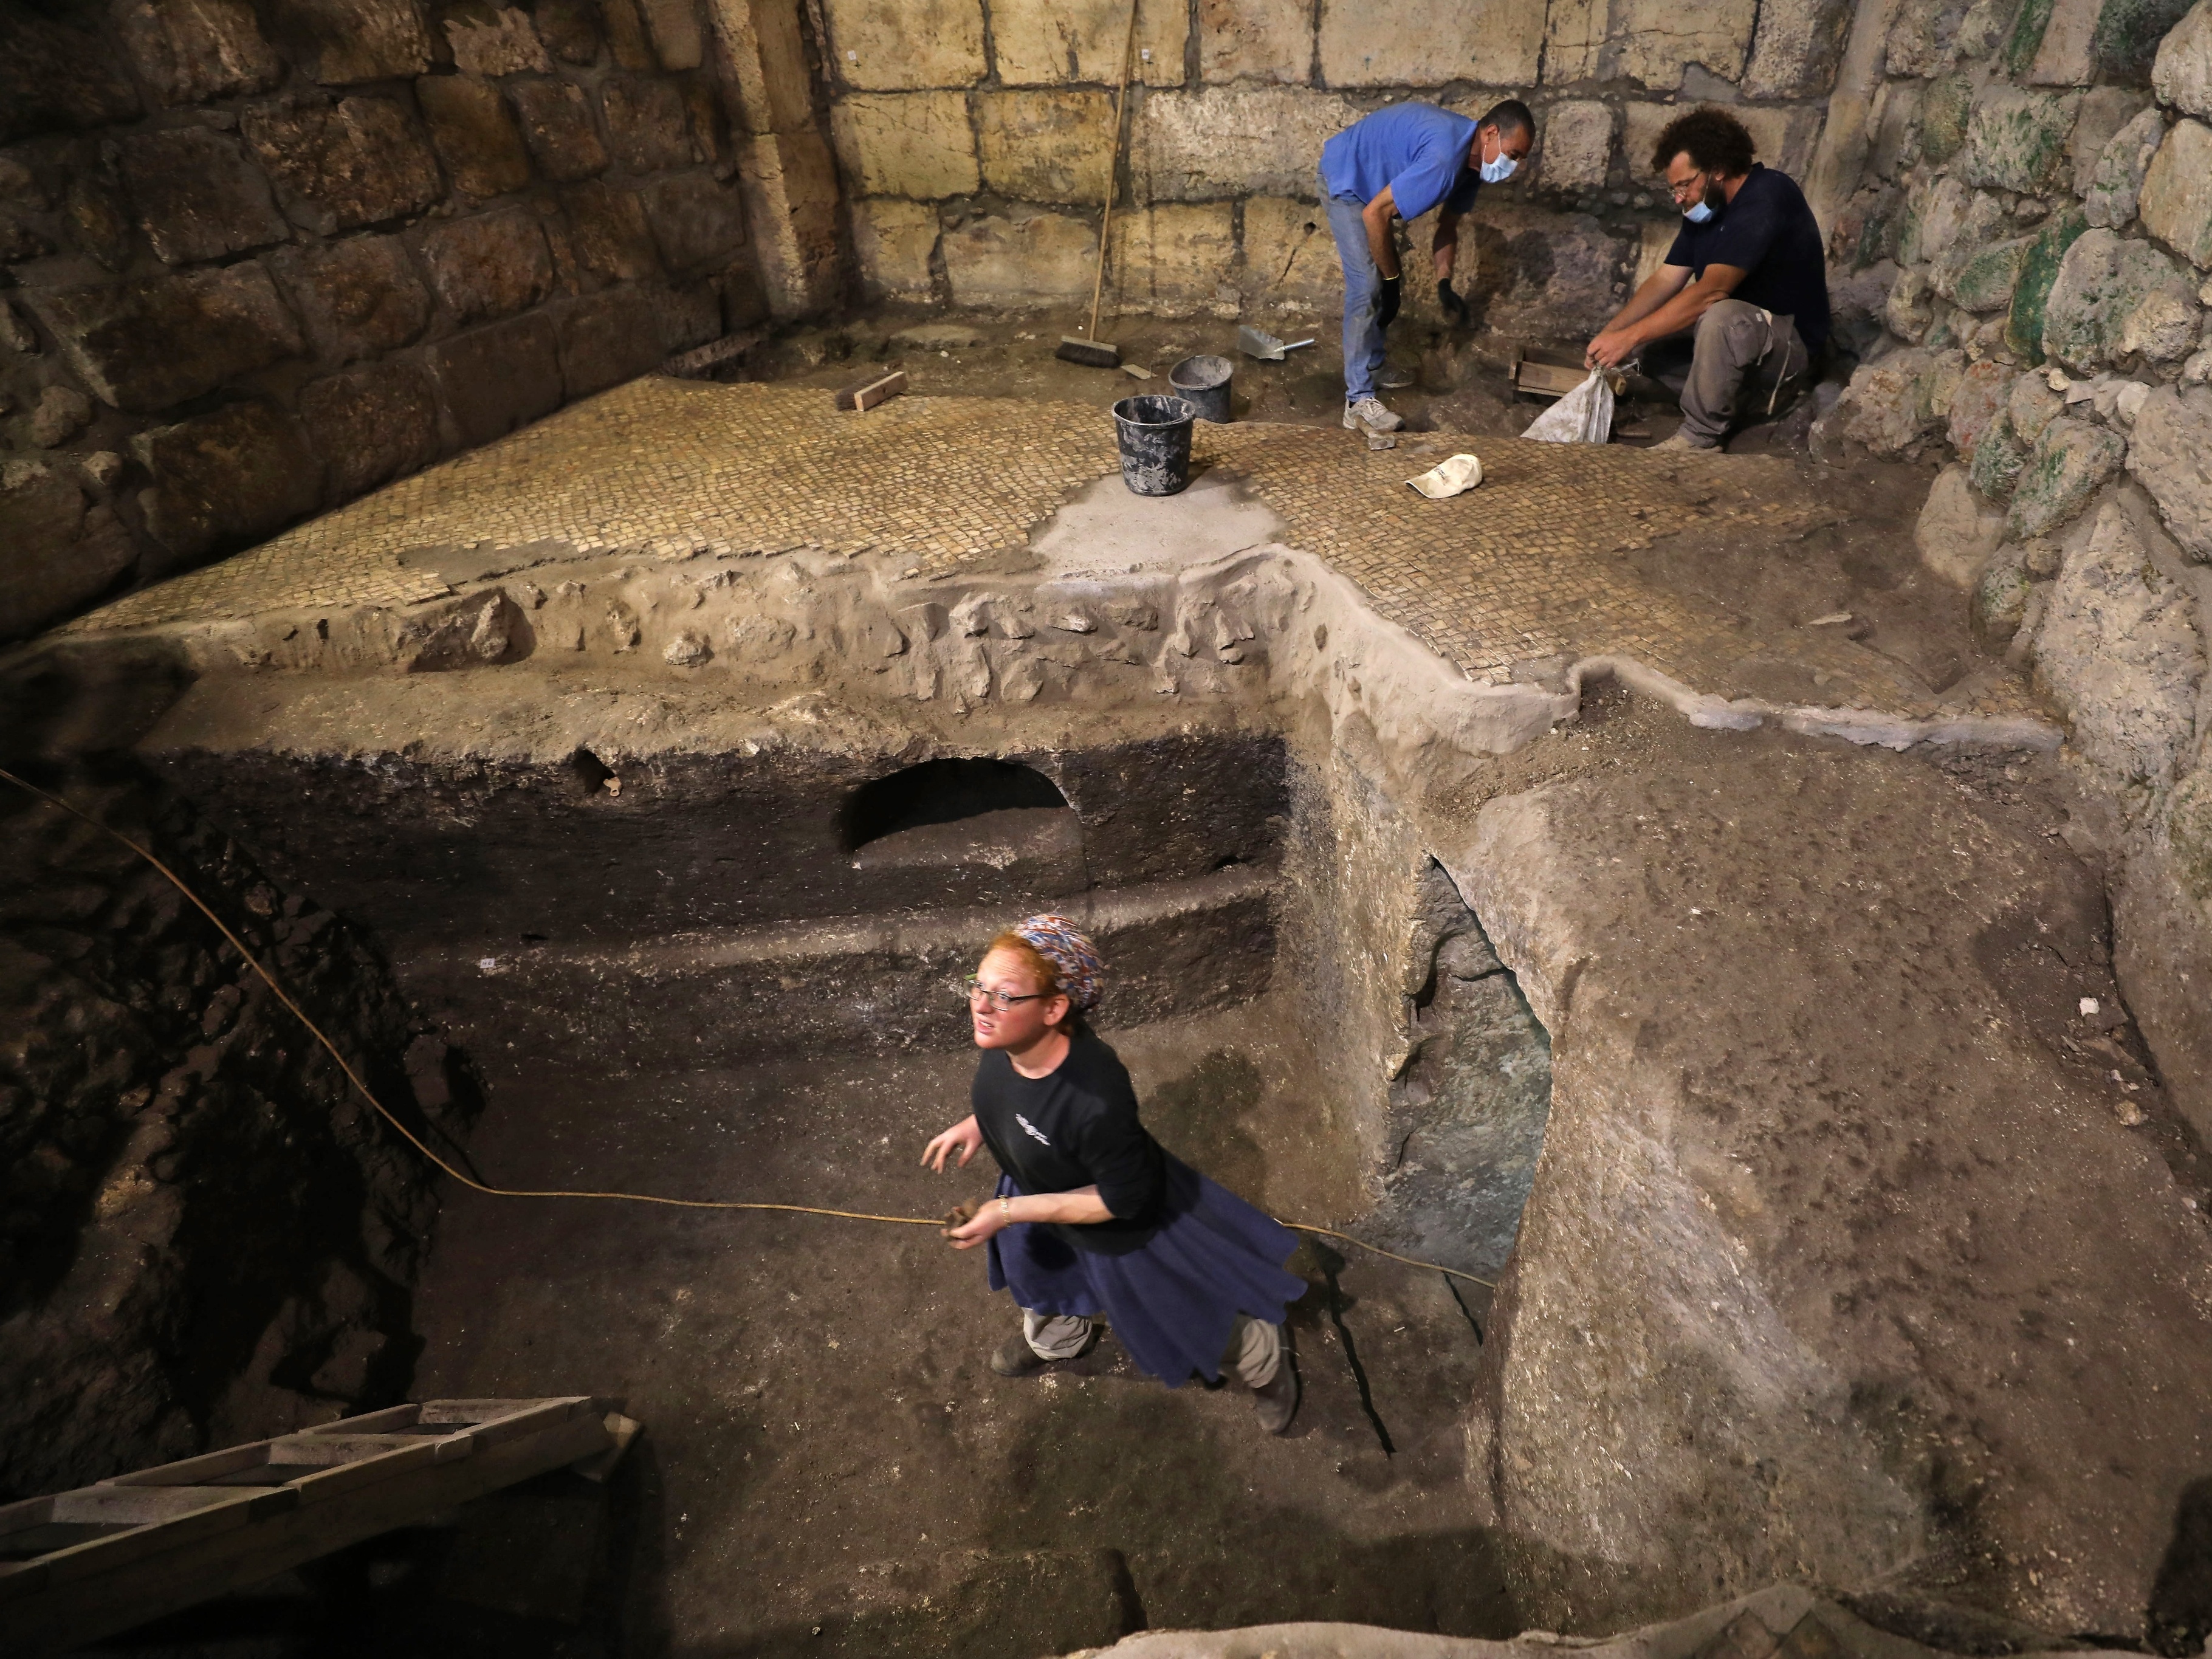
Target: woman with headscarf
x=1092 y=1219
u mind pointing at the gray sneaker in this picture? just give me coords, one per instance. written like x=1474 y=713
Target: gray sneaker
x=1681 y=438
x=1370 y=413
x=1275 y=1402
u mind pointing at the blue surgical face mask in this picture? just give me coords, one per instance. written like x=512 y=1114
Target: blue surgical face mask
x=1698 y=213
x=1497 y=172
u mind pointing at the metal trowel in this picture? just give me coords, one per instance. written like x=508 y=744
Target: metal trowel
x=1255 y=343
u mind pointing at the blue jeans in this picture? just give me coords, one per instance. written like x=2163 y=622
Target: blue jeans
x=1363 y=287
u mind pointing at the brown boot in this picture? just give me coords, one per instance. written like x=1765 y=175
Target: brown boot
x=1275 y=1402
x=1015 y=1358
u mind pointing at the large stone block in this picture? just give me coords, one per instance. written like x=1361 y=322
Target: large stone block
x=2072 y=461
x=359 y=161
x=1980 y=397
x=54 y=78
x=1267 y=41
x=499 y=377
x=2118 y=297
x=487 y=39
x=224 y=480
x=1492 y=42
x=359 y=298
x=900 y=46
x=698 y=223
x=2119 y=651
x=1982 y=279
x=340 y=42
x=1655 y=41
x=2031 y=294
x=1783 y=137
x=2181 y=74
x=790 y=184
x=1935 y=211
x=196 y=197
x=1171 y=258
x=894 y=241
x=2104 y=112
x=1957 y=530
x=647 y=128
x=1882 y=408
x=1574 y=147
x=371 y=426
x=474 y=134
x=1019 y=259
x=1044 y=146
x=59 y=555
x=1235 y=141
x=1289 y=254
x=1533 y=274
x=606 y=339
x=147 y=345
x=2067 y=54
x=493 y=265
x=917 y=144
x=570 y=30
x=2176 y=203
x=678 y=41
x=612 y=237
x=628 y=44
x=1946 y=106
x=1998 y=459
x=2116 y=181
x=186 y=51
x=556 y=124
x=2171 y=456
x=2016 y=140
x=1796 y=49
x=1046 y=43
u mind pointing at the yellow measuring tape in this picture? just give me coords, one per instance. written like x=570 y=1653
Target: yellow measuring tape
x=474 y=1185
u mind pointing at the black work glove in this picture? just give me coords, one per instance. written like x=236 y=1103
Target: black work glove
x=1455 y=305
x=1385 y=302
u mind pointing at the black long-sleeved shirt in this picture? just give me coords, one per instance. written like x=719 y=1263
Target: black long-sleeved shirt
x=1075 y=1128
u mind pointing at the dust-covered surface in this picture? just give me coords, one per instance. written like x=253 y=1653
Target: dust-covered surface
x=1865 y=1245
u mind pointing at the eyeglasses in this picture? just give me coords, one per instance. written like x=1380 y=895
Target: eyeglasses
x=998 y=1000
x=1696 y=178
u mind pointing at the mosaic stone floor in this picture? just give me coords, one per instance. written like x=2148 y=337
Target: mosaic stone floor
x=1521 y=567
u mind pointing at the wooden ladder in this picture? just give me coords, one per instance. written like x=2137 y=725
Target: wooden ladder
x=78 y=1566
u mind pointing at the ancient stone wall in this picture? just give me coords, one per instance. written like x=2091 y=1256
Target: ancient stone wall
x=2037 y=204
x=204 y=1236
x=973 y=135
x=261 y=260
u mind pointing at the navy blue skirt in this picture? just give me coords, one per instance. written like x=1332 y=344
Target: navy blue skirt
x=1173 y=1301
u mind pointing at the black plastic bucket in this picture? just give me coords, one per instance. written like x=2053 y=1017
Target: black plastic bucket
x=1155 y=433
x=1205 y=382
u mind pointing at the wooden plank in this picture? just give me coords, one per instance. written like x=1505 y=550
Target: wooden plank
x=318 y=1451
x=136 y=1506
x=870 y=390
x=390 y=1419
x=105 y=1557
x=486 y=1411
x=552 y=1413
x=197 y=1471
x=326 y=1484
x=29 y=1512
x=44 y=1618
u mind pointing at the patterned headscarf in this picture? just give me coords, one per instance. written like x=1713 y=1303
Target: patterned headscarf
x=1073 y=957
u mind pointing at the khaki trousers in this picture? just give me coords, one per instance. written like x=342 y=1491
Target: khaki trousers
x=1739 y=360
x=1254 y=1350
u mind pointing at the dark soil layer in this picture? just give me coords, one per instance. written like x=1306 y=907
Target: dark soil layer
x=825 y=1442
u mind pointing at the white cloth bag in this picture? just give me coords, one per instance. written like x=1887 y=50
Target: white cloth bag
x=1584 y=416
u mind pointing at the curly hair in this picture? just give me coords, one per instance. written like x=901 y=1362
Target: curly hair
x=1716 y=140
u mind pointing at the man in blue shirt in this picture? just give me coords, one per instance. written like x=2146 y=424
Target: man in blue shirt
x=1737 y=318
x=1400 y=162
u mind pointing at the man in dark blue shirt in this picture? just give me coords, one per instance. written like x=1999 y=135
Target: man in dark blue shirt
x=1737 y=317
x=1400 y=162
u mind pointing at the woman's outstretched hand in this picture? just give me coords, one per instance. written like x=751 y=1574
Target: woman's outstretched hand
x=963 y=1137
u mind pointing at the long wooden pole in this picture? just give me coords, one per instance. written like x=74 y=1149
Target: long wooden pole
x=1113 y=166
